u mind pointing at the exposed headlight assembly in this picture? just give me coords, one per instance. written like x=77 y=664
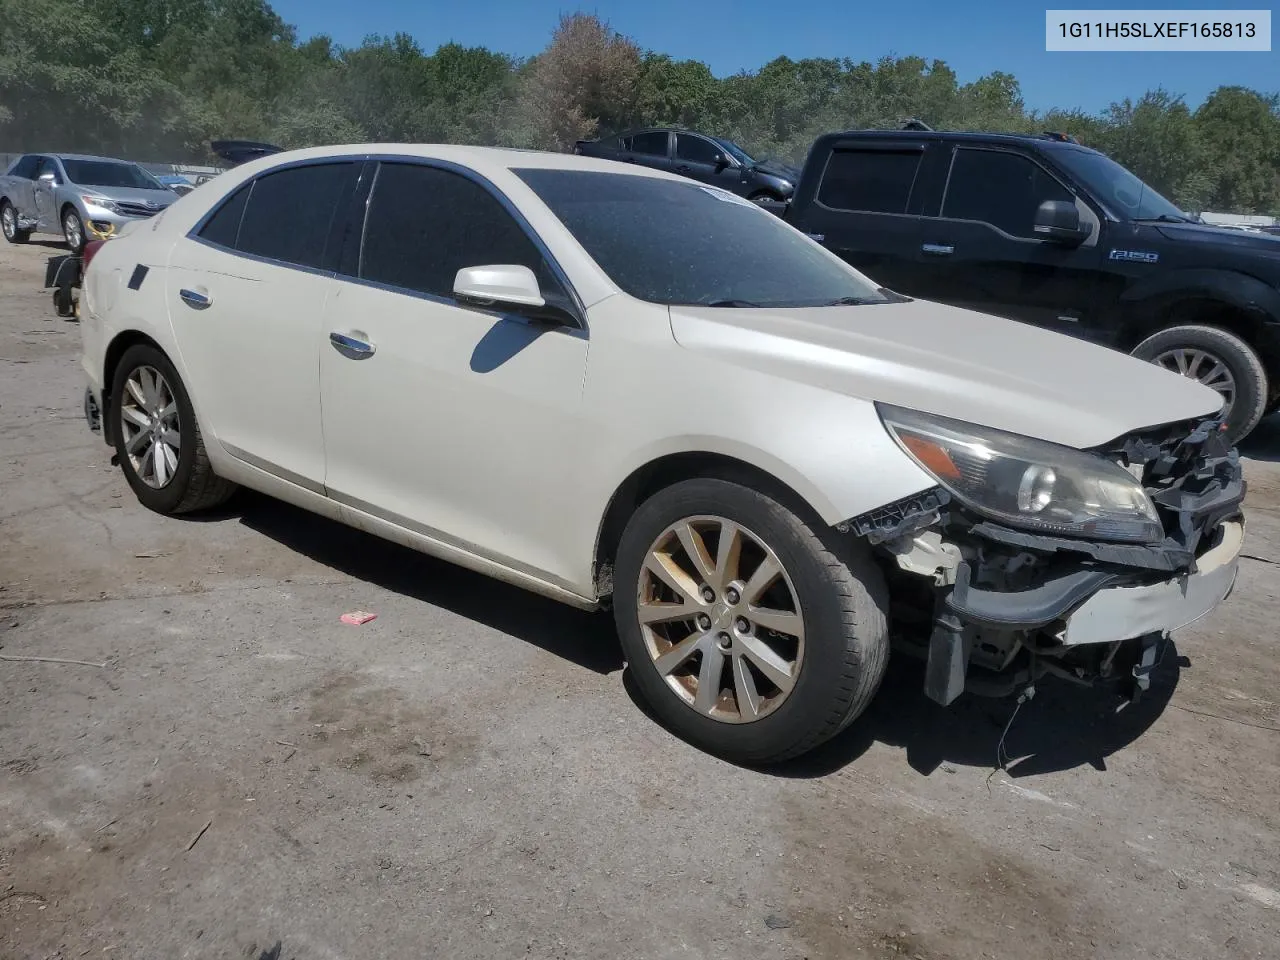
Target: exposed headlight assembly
x=1028 y=483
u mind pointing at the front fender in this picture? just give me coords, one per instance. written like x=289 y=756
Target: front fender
x=1246 y=293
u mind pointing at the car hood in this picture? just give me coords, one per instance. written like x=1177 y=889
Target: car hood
x=774 y=169
x=955 y=363
x=133 y=194
x=1221 y=236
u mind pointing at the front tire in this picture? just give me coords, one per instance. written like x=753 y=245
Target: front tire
x=749 y=635
x=9 y=224
x=1218 y=359
x=73 y=229
x=157 y=439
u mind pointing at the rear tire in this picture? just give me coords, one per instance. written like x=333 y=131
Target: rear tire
x=185 y=481
x=9 y=224
x=841 y=603
x=1177 y=346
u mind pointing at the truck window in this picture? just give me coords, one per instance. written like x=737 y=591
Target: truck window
x=869 y=181
x=999 y=188
x=653 y=143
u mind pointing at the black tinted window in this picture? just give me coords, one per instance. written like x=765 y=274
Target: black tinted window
x=1002 y=189
x=26 y=167
x=426 y=224
x=45 y=165
x=651 y=143
x=695 y=149
x=873 y=181
x=290 y=213
x=682 y=242
x=223 y=227
x=109 y=173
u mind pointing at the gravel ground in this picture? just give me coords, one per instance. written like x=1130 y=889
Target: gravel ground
x=470 y=776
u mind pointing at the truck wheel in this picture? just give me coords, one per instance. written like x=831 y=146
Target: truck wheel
x=9 y=224
x=748 y=634
x=157 y=438
x=1218 y=359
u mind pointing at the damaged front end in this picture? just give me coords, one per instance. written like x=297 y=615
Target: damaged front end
x=992 y=605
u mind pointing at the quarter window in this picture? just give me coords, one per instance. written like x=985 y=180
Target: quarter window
x=653 y=143
x=425 y=224
x=223 y=228
x=869 y=181
x=1002 y=189
x=289 y=214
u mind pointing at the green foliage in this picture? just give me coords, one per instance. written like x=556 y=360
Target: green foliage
x=158 y=79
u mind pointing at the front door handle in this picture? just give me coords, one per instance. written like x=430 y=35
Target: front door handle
x=351 y=344
x=938 y=249
x=195 y=300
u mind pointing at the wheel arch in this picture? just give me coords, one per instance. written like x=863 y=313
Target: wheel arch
x=1234 y=302
x=672 y=468
x=115 y=351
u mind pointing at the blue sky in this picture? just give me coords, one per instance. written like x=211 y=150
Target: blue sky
x=732 y=35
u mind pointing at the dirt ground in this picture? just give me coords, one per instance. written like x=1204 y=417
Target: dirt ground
x=468 y=776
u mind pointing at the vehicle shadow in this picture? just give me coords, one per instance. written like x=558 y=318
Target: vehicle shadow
x=1061 y=727
x=1264 y=442
x=586 y=639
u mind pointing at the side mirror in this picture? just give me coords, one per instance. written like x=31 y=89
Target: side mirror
x=721 y=162
x=508 y=284
x=1059 y=221
x=48 y=177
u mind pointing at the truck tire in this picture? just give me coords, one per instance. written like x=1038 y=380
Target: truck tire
x=1217 y=358
x=750 y=673
x=9 y=224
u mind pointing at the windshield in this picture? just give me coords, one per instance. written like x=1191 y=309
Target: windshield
x=671 y=242
x=110 y=173
x=1121 y=190
x=735 y=151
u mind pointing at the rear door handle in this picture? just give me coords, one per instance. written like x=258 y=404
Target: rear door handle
x=938 y=249
x=351 y=344
x=195 y=300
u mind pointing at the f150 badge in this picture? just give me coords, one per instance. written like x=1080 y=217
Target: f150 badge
x=1137 y=256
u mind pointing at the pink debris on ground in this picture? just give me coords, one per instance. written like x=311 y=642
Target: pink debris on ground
x=357 y=617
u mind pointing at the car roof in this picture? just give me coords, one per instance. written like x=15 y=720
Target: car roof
x=484 y=160
x=85 y=156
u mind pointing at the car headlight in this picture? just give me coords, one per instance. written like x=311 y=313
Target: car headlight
x=1028 y=483
x=102 y=202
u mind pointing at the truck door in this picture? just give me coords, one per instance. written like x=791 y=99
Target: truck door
x=978 y=248
x=865 y=208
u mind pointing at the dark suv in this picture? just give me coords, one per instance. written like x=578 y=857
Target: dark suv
x=698 y=156
x=1049 y=232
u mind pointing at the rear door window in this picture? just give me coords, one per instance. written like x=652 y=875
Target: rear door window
x=999 y=188
x=425 y=224
x=869 y=181
x=289 y=214
x=26 y=167
x=652 y=144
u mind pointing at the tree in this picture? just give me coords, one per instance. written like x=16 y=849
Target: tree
x=1241 y=134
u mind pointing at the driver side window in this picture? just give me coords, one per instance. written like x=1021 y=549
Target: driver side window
x=696 y=150
x=46 y=166
x=425 y=224
x=999 y=188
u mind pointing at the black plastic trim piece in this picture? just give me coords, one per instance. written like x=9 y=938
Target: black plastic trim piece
x=1026 y=609
x=139 y=274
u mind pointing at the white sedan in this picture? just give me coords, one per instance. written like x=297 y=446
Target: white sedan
x=618 y=387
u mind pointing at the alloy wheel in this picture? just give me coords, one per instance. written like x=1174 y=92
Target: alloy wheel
x=1202 y=366
x=9 y=222
x=72 y=230
x=721 y=619
x=151 y=428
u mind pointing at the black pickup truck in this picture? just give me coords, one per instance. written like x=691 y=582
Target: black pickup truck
x=698 y=156
x=1046 y=231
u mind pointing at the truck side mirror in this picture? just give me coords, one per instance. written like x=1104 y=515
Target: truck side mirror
x=1059 y=221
